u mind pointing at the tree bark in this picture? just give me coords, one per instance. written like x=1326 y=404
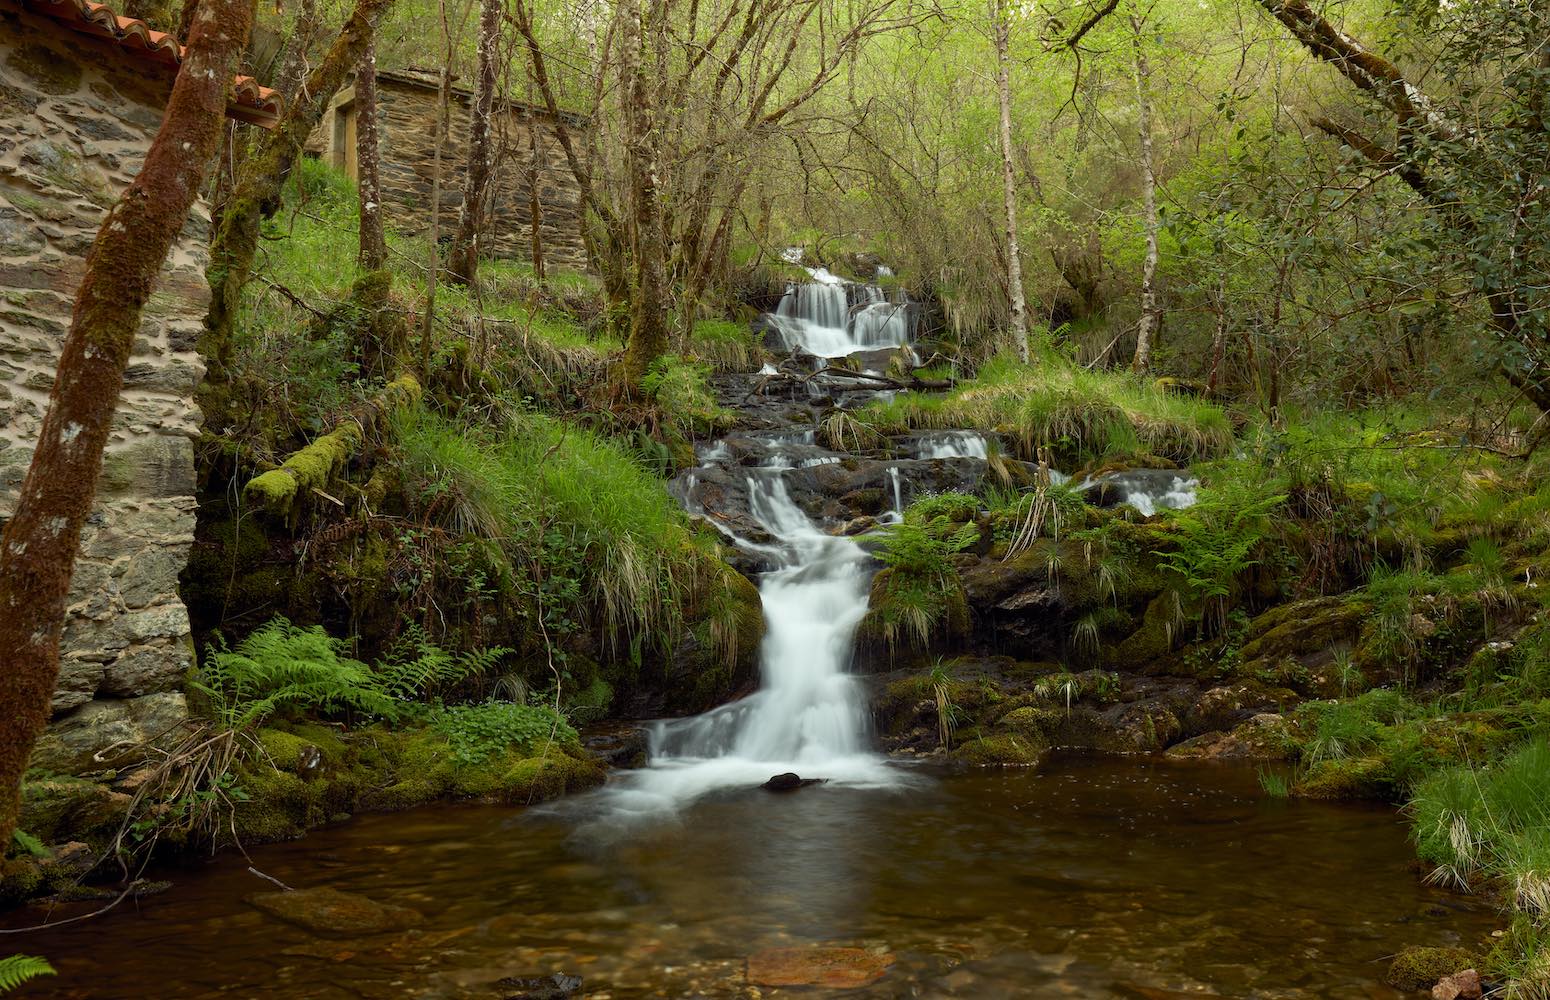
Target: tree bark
x=433 y=250
x=41 y=540
x=535 y=205
x=1146 y=328
x=648 y=314
x=293 y=60
x=257 y=196
x=373 y=242
x=1017 y=317
x=463 y=258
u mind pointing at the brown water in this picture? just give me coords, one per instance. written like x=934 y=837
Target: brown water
x=1088 y=877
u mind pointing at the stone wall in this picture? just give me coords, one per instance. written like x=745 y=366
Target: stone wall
x=76 y=118
x=406 y=109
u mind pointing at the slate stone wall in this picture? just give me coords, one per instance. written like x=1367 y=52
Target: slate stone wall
x=407 y=109
x=76 y=119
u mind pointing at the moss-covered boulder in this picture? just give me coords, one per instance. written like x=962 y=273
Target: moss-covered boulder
x=1420 y=968
x=1347 y=778
x=911 y=616
x=1001 y=749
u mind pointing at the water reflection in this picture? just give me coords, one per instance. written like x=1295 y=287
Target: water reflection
x=1091 y=877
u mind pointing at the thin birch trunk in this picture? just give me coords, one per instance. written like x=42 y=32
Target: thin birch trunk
x=1146 y=329
x=1017 y=319
x=433 y=249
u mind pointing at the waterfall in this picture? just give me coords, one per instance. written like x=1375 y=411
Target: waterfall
x=809 y=715
x=831 y=317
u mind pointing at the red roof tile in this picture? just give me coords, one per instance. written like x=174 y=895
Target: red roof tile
x=249 y=103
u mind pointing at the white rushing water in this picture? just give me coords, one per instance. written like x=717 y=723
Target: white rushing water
x=832 y=317
x=952 y=444
x=1175 y=494
x=809 y=715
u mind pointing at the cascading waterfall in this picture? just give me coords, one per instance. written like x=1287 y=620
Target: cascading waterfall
x=831 y=317
x=809 y=715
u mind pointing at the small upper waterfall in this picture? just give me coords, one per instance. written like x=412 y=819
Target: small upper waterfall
x=831 y=317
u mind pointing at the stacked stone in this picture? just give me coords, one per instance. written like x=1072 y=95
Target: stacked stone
x=78 y=118
x=407 y=110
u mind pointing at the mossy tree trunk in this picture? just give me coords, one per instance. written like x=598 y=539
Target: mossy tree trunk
x=373 y=242
x=649 y=301
x=257 y=196
x=463 y=258
x=42 y=538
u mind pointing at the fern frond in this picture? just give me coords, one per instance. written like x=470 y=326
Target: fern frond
x=18 y=969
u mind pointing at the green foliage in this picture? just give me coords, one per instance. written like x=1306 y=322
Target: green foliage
x=1074 y=411
x=1222 y=536
x=582 y=531
x=1041 y=512
x=941 y=684
x=1276 y=784
x=283 y=668
x=1490 y=821
x=681 y=391
x=27 y=842
x=15 y=970
x=477 y=732
x=951 y=508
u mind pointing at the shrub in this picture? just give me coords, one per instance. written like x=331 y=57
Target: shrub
x=477 y=732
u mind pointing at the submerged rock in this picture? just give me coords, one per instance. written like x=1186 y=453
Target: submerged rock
x=326 y=910
x=789 y=782
x=836 y=968
x=1459 y=986
x=557 y=986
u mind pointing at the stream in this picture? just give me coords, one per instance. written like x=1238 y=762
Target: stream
x=1087 y=876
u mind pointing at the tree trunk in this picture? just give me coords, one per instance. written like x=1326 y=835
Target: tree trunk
x=257 y=196
x=535 y=205
x=373 y=242
x=648 y=312
x=293 y=60
x=1146 y=328
x=41 y=540
x=463 y=259
x=433 y=250
x=1017 y=319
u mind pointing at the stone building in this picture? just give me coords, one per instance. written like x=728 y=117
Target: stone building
x=82 y=94
x=407 y=104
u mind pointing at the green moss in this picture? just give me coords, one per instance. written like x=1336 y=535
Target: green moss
x=1420 y=968
x=62 y=808
x=1348 y=778
x=1002 y=748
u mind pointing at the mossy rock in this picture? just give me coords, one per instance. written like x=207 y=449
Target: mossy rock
x=61 y=808
x=1420 y=968
x=1301 y=628
x=1001 y=749
x=1350 y=778
x=1032 y=721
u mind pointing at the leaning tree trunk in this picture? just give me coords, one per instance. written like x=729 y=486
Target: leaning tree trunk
x=373 y=242
x=648 y=309
x=1146 y=329
x=41 y=540
x=257 y=196
x=1017 y=319
x=463 y=259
